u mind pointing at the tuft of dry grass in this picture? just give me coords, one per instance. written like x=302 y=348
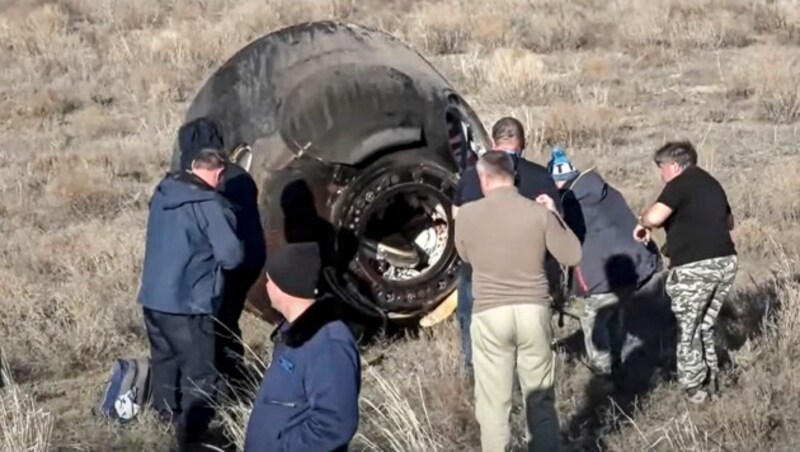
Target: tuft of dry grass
x=770 y=77
x=580 y=124
x=395 y=421
x=24 y=425
x=778 y=17
x=753 y=411
x=683 y=24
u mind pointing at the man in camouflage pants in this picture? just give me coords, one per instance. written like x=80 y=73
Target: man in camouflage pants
x=694 y=210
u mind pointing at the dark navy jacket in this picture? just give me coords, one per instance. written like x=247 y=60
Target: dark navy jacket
x=308 y=399
x=531 y=180
x=190 y=241
x=601 y=219
x=239 y=188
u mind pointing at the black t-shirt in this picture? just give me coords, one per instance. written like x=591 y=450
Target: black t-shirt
x=532 y=180
x=697 y=229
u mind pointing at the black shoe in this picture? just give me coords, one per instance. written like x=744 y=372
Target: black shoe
x=697 y=395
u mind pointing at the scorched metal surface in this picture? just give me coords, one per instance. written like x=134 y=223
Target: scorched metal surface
x=356 y=143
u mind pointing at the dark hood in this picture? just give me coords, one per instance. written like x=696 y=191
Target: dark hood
x=589 y=188
x=180 y=188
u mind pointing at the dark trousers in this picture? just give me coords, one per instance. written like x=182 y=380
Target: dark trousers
x=464 y=313
x=230 y=349
x=183 y=377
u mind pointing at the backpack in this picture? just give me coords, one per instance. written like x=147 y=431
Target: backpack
x=126 y=391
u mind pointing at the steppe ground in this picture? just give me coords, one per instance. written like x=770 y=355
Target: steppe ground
x=92 y=91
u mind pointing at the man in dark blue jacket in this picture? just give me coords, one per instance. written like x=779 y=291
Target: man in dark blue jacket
x=239 y=189
x=531 y=179
x=308 y=399
x=613 y=266
x=190 y=242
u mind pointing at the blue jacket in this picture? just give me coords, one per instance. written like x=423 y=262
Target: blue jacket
x=190 y=241
x=600 y=217
x=308 y=399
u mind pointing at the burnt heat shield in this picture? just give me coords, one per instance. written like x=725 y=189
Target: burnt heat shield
x=355 y=141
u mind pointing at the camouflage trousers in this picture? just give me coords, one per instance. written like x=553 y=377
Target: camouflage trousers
x=697 y=291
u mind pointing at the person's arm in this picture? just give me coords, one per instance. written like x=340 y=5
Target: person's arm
x=560 y=241
x=332 y=382
x=655 y=215
x=460 y=241
x=668 y=201
x=221 y=231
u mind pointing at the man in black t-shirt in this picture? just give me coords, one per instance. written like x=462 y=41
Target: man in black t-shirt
x=531 y=180
x=694 y=210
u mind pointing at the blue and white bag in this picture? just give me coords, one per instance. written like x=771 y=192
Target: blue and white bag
x=126 y=392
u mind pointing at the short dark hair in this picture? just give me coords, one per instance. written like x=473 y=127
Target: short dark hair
x=680 y=152
x=208 y=158
x=508 y=128
x=496 y=164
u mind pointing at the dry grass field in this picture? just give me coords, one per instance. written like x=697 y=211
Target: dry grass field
x=92 y=93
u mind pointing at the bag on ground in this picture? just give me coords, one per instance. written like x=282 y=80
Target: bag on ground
x=126 y=391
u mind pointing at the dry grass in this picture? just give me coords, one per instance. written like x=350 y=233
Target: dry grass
x=92 y=91
x=24 y=425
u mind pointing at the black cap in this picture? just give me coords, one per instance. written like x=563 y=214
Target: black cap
x=196 y=135
x=295 y=267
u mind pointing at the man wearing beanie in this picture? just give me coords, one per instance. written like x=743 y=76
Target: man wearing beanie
x=308 y=398
x=613 y=265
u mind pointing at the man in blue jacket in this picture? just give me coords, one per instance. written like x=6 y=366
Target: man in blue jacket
x=190 y=242
x=239 y=189
x=308 y=399
x=614 y=265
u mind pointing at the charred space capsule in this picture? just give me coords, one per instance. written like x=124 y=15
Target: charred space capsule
x=354 y=141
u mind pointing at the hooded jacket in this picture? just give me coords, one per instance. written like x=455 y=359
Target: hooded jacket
x=237 y=186
x=308 y=398
x=611 y=259
x=190 y=241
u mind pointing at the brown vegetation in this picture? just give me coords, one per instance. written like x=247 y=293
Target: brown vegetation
x=92 y=91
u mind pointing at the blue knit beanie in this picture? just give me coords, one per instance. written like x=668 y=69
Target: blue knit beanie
x=560 y=167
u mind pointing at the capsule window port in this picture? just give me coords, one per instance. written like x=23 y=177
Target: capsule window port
x=242 y=155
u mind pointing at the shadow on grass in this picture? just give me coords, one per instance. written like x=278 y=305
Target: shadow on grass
x=648 y=317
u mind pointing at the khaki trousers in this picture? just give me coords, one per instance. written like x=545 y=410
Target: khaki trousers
x=505 y=338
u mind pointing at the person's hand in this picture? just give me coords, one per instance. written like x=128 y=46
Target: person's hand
x=547 y=202
x=641 y=234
